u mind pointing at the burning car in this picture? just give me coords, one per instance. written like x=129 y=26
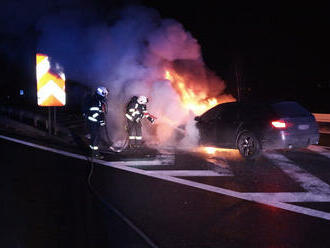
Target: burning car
x=255 y=127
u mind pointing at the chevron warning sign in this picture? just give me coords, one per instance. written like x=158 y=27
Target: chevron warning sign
x=50 y=82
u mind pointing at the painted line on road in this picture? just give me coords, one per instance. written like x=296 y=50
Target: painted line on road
x=189 y=173
x=319 y=149
x=308 y=181
x=290 y=197
x=146 y=162
x=227 y=192
x=218 y=190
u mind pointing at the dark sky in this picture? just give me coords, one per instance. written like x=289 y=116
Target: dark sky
x=274 y=47
x=284 y=39
x=278 y=48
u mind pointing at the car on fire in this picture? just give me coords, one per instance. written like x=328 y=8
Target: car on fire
x=253 y=127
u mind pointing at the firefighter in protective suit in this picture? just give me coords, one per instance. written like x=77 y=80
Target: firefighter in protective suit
x=136 y=110
x=95 y=117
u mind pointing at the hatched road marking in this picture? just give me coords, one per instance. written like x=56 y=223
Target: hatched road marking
x=271 y=199
x=321 y=150
x=306 y=180
x=159 y=160
x=317 y=190
x=190 y=173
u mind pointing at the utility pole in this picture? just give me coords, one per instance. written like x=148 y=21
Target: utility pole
x=238 y=82
x=238 y=75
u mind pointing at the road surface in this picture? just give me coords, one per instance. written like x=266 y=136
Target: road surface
x=174 y=199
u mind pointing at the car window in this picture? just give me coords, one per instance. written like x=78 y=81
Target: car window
x=256 y=111
x=290 y=109
x=217 y=111
x=229 y=114
x=211 y=114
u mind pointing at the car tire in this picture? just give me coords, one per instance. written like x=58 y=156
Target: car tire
x=248 y=145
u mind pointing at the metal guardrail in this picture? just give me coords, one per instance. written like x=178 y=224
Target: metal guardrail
x=42 y=122
x=31 y=118
x=324 y=122
x=322 y=117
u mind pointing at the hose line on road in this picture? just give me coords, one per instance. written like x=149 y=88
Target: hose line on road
x=111 y=208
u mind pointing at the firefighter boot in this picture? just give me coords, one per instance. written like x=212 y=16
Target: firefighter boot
x=131 y=144
x=97 y=154
x=139 y=144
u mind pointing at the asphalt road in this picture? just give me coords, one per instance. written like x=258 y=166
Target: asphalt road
x=46 y=202
x=180 y=199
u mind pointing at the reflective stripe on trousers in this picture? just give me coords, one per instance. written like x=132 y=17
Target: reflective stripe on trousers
x=129 y=117
x=135 y=137
x=92 y=119
x=93 y=147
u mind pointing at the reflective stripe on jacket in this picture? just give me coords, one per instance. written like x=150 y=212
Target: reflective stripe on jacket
x=96 y=113
x=135 y=111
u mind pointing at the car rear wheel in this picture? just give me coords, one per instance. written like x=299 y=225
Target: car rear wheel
x=248 y=145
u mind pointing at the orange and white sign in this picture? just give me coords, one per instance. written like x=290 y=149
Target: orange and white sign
x=50 y=83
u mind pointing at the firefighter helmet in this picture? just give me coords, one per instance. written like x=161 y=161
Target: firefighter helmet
x=102 y=91
x=142 y=100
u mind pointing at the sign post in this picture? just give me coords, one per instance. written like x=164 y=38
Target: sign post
x=49 y=121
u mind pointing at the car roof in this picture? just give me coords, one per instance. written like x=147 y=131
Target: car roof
x=255 y=102
x=252 y=103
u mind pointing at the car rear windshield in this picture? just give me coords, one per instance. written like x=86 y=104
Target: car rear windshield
x=290 y=109
x=255 y=111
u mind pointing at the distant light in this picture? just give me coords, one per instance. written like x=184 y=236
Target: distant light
x=21 y=92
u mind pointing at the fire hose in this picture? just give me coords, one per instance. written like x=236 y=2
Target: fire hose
x=108 y=205
x=128 y=131
x=171 y=124
x=111 y=208
x=163 y=120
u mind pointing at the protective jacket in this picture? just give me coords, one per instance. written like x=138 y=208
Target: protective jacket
x=96 y=112
x=136 y=112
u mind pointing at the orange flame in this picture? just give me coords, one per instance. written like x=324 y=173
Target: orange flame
x=214 y=150
x=194 y=99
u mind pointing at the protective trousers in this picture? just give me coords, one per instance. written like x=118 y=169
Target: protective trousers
x=134 y=130
x=94 y=130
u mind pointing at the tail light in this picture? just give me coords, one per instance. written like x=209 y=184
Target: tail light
x=279 y=124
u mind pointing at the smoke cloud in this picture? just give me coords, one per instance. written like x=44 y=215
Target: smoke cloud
x=129 y=53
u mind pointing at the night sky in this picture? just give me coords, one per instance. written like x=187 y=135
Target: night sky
x=279 y=49
x=276 y=50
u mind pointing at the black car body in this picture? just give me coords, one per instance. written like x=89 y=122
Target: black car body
x=252 y=127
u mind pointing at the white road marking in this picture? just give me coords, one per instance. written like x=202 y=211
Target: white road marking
x=218 y=190
x=146 y=162
x=309 y=182
x=189 y=173
x=289 y=197
x=321 y=150
x=218 y=162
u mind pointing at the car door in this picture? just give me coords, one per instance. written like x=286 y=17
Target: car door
x=226 y=126
x=207 y=127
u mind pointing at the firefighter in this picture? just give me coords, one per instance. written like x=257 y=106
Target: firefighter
x=136 y=110
x=95 y=117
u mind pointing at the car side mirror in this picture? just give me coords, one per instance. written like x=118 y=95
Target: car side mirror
x=197 y=118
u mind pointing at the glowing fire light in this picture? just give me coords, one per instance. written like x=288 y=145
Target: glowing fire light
x=220 y=153
x=193 y=99
x=214 y=150
x=210 y=150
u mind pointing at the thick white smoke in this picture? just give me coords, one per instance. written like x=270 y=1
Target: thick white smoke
x=128 y=57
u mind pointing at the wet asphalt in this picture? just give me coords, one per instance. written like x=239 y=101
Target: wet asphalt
x=47 y=203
